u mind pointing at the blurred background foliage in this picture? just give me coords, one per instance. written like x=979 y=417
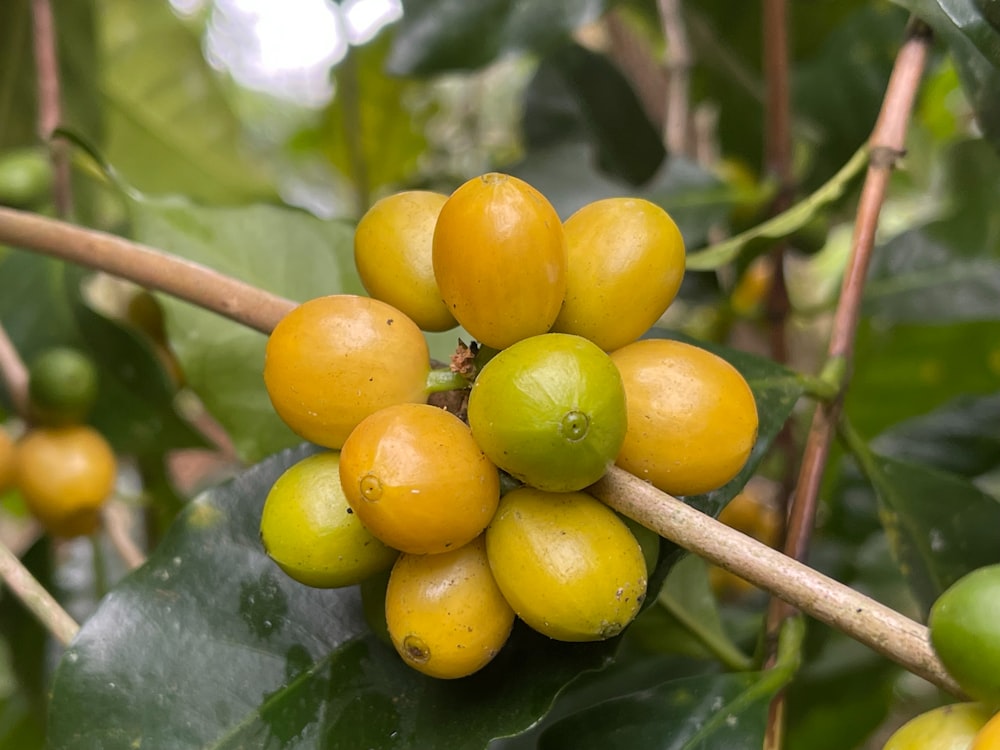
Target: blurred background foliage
x=250 y=135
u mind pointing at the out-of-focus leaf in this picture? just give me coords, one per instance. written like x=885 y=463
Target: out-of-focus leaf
x=915 y=279
x=370 y=132
x=971 y=179
x=441 y=35
x=713 y=711
x=210 y=645
x=960 y=437
x=170 y=128
x=285 y=251
x=628 y=145
x=906 y=370
x=76 y=51
x=41 y=307
x=975 y=46
x=838 y=90
x=685 y=618
x=940 y=525
x=785 y=223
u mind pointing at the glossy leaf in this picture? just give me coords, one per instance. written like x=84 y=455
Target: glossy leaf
x=905 y=370
x=940 y=525
x=627 y=144
x=441 y=35
x=169 y=126
x=285 y=251
x=713 y=711
x=210 y=645
x=915 y=279
x=975 y=46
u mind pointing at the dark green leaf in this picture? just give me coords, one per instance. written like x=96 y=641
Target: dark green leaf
x=628 y=145
x=210 y=645
x=77 y=55
x=282 y=250
x=975 y=46
x=714 y=711
x=960 y=437
x=906 y=370
x=939 y=525
x=170 y=128
x=41 y=306
x=440 y=35
x=915 y=279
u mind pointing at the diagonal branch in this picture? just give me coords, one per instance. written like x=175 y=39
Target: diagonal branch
x=146 y=266
x=887 y=144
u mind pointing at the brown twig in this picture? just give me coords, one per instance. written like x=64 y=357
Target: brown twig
x=144 y=265
x=115 y=519
x=631 y=53
x=887 y=144
x=677 y=127
x=34 y=596
x=864 y=619
x=50 y=102
x=14 y=373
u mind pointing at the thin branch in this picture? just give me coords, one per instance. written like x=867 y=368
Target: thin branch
x=144 y=265
x=14 y=373
x=887 y=142
x=50 y=102
x=679 y=60
x=633 y=56
x=864 y=619
x=34 y=596
x=115 y=518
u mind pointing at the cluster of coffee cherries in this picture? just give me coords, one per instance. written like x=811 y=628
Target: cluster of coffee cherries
x=481 y=509
x=64 y=469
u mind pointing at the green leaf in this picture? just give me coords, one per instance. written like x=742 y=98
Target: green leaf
x=628 y=146
x=210 y=645
x=915 y=279
x=784 y=224
x=686 y=618
x=285 y=251
x=77 y=55
x=170 y=128
x=904 y=370
x=960 y=437
x=940 y=525
x=370 y=132
x=714 y=711
x=441 y=35
x=41 y=306
x=975 y=46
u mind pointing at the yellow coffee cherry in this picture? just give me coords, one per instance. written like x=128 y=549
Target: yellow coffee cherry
x=692 y=418
x=392 y=252
x=334 y=360
x=445 y=614
x=567 y=564
x=417 y=479
x=626 y=263
x=988 y=738
x=65 y=475
x=951 y=727
x=499 y=257
x=6 y=460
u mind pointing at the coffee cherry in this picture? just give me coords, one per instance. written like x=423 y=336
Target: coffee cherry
x=334 y=360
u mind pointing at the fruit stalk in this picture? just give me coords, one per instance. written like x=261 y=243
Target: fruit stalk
x=862 y=618
x=153 y=269
x=34 y=596
x=13 y=373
